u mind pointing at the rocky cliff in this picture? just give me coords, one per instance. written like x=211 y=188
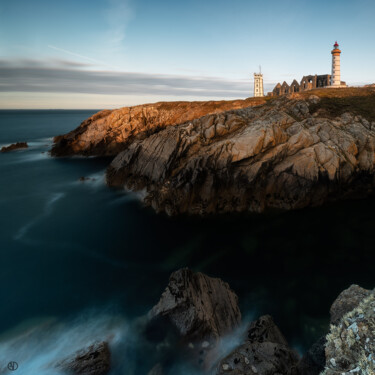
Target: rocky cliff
x=108 y=132
x=202 y=158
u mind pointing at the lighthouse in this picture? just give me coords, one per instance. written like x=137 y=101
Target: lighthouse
x=336 y=75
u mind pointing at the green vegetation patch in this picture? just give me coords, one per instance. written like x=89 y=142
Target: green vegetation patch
x=335 y=106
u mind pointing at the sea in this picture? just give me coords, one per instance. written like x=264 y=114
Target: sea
x=81 y=262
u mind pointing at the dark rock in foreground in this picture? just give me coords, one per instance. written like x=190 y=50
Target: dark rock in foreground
x=14 y=146
x=197 y=306
x=313 y=362
x=193 y=314
x=94 y=360
x=265 y=352
x=347 y=301
x=350 y=344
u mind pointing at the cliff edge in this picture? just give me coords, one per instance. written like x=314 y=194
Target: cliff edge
x=214 y=157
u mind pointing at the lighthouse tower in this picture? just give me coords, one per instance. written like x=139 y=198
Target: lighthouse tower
x=336 y=75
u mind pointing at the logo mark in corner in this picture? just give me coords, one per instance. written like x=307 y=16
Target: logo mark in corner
x=12 y=366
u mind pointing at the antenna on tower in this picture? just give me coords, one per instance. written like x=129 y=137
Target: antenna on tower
x=260 y=69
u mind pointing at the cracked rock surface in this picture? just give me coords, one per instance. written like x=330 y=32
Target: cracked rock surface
x=274 y=156
x=265 y=352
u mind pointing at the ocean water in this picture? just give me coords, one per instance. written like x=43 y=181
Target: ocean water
x=80 y=262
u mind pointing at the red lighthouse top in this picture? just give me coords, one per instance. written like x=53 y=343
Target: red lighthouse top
x=336 y=51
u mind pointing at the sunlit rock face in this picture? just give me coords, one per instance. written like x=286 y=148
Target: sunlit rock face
x=281 y=155
x=350 y=347
x=108 y=132
x=232 y=156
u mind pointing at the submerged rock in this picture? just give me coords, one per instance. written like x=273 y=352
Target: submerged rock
x=265 y=352
x=94 y=360
x=313 y=362
x=347 y=301
x=14 y=146
x=156 y=370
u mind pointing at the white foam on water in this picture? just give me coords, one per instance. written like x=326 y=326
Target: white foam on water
x=48 y=208
x=124 y=198
x=37 y=349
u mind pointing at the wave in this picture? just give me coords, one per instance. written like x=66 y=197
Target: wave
x=38 y=348
x=48 y=208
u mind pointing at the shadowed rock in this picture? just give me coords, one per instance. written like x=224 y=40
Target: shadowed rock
x=313 y=362
x=193 y=314
x=266 y=352
x=350 y=344
x=347 y=301
x=197 y=306
x=94 y=360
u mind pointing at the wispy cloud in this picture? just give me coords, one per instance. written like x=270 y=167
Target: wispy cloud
x=65 y=51
x=118 y=15
x=21 y=77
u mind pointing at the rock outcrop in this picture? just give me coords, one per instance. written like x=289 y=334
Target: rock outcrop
x=197 y=306
x=347 y=300
x=245 y=155
x=274 y=156
x=14 y=146
x=108 y=132
x=314 y=360
x=265 y=352
x=94 y=360
x=350 y=347
x=193 y=314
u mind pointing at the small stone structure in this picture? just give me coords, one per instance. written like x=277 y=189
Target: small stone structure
x=258 y=84
x=314 y=81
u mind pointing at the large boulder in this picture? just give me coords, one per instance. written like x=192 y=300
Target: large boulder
x=265 y=352
x=347 y=301
x=197 y=306
x=93 y=360
x=194 y=313
x=350 y=347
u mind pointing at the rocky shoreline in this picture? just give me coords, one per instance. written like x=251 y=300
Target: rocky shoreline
x=196 y=313
x=219 y=157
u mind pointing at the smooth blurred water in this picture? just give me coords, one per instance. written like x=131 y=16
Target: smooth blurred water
x=68 y=247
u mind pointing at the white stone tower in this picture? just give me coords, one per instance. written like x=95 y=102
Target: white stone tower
x=258 y=84
x=336 y=75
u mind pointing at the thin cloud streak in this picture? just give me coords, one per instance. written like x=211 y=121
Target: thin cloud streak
x=17 y=78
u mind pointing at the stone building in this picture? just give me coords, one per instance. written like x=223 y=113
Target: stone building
x=258 y=84
x=314 y=81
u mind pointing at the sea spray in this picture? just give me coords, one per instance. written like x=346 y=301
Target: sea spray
x=37 y=349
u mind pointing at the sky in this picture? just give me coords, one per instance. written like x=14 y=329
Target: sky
x=112 y=53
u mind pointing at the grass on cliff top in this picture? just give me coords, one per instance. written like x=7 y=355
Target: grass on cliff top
x=335 y=102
